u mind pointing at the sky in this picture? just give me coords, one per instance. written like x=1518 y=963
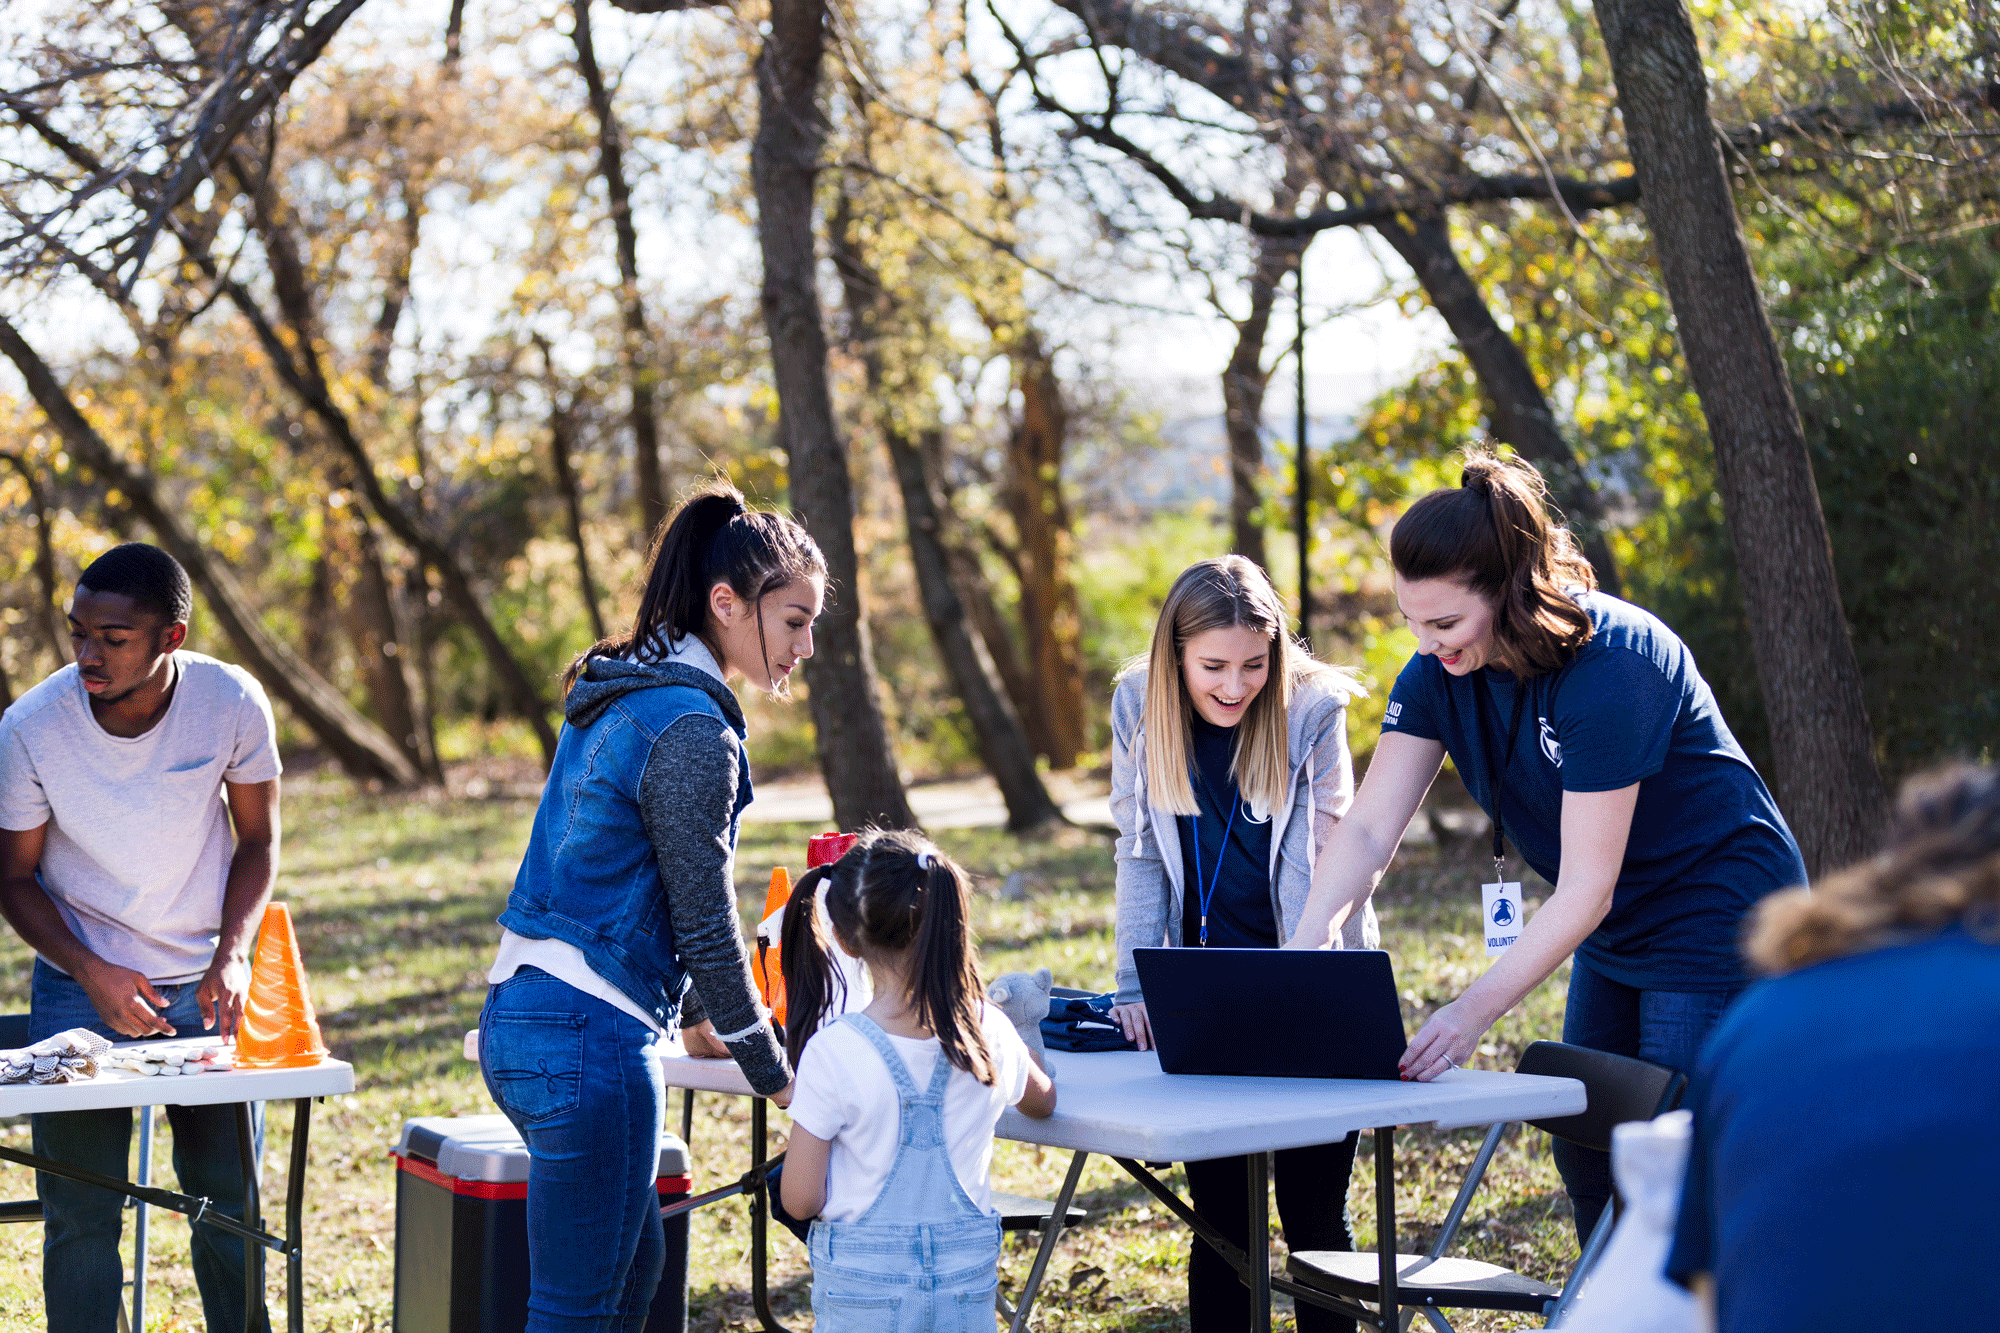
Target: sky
x=1353 y=349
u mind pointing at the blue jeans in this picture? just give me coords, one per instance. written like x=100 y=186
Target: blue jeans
x=1666 y=1027
x=82 y=1275
x=579 y=1079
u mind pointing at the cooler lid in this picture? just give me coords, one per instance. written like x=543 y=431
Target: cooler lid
x=488 y=1148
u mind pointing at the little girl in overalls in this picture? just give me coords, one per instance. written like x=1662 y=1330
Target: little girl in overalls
x=894 y=1107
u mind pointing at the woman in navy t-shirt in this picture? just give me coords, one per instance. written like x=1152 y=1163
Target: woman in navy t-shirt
x=1580 y=723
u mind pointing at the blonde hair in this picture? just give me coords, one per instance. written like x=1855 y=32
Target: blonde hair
x=1941 y=868
x=1229 y=592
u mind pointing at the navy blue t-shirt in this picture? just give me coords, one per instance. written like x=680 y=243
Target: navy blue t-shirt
x=1707 y=840
x=1240 y=915
x=1846 y=1150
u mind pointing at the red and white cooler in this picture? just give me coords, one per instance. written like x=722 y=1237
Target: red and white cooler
x=462 y=1228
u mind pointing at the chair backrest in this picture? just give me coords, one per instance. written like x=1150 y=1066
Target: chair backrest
x=1619 y=1088
x=13 y=1031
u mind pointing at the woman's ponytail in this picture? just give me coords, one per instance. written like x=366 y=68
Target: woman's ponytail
x=714 y=537
x=814 y=984
x=1495 y=534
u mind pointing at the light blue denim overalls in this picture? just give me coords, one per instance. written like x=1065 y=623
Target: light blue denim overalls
x=922 y=1259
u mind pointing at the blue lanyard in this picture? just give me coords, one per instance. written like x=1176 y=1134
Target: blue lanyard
x=1205 y=893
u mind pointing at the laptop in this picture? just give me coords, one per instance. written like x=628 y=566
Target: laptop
x=1322 y=1013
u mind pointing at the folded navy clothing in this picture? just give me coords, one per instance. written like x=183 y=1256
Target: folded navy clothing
x=1083 y=1023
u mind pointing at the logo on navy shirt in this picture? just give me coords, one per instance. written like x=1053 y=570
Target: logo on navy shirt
x=1395 y=713
x=1503 y=912
x=1551 y=747
x=1250 y=816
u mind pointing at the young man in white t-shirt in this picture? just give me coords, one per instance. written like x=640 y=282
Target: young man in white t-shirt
x=138 y=842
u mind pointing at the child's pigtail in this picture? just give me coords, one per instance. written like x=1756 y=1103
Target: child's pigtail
x=806 y=955
x=945 y=989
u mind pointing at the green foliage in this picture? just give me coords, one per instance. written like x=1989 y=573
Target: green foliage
x=1897 y=402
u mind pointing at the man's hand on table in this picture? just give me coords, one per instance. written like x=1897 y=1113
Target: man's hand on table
x=701 y=1041
x=124 y=999
x=223 y=989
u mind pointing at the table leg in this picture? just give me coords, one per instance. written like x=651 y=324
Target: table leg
x=687 y=1117
x=760 y=1292
x=1385 y=1225
x=139 y=1221
x=1051 y=1229
x=1240 y=1261
x=253 y=1255
x=1257 y=1253
x=295 y=1216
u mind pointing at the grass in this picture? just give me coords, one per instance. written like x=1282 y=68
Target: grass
x=395 y=899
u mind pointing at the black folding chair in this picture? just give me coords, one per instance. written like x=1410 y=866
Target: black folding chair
x=1619 y=1089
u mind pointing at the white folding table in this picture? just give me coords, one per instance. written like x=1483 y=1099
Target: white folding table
x=116 y=1087
x=1119 y=1104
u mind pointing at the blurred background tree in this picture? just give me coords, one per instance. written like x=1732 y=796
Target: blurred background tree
x=407 y=345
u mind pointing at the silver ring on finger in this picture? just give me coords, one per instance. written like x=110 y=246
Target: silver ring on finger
x=1450 y=1063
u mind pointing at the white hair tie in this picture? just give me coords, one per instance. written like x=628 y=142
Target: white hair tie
x=924 y=861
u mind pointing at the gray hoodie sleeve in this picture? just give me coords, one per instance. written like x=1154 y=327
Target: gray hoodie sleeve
x=1143 y=888
x=687 y=797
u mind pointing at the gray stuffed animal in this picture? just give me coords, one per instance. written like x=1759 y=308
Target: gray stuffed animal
x=1024 y=998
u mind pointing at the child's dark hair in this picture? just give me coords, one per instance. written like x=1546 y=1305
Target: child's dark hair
x=153 y=580
x=714 y=537
x=893 y=893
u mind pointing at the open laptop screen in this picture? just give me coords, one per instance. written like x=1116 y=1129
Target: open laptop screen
x=1326 y=1013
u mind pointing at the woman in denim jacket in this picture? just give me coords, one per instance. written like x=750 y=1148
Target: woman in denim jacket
x=622 y=923
x=1229 y=770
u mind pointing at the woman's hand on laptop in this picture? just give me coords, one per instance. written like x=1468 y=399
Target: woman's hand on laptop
x=1138 y=1028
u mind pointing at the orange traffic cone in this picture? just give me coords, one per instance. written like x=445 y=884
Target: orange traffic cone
x=769 y=972
x=279 y=1028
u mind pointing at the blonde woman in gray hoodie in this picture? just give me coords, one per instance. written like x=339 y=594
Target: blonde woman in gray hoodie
x=1229 y=769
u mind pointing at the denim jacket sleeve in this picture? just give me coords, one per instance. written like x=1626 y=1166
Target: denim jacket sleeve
x=687 y=798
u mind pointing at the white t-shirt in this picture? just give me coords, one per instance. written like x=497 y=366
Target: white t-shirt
x=845 y=1095
x=139 y=841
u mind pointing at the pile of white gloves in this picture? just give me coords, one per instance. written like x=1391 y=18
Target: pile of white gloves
x=170 y=1058
x=67 y=1057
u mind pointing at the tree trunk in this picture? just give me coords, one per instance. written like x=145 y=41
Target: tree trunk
x=559 y=453
x=1049 y=615
x=51 y=619
x=372 y=622
x=1827 y=779
x=636 y=352
x=318 y=621
x=1003 y=745
x=976 y=591
x=1521 y=413
x=1244 y=380
x=853 y=736
x=379 y=651
x=358 y=744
